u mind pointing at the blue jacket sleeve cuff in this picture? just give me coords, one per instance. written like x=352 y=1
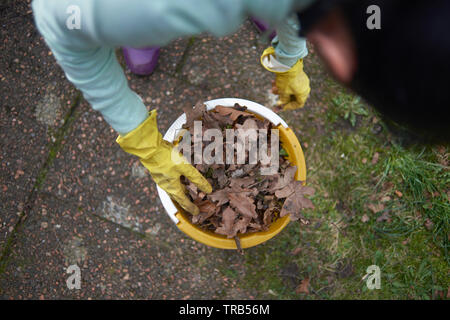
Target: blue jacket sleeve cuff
x=289 y=47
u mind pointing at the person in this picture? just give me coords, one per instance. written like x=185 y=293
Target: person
x=87 y=55
x=141 y=61
x=399 y=68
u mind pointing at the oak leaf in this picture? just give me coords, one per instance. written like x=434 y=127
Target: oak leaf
x=232 y=113
x=193 y=114
x=220 y=196
x=375 y=208
x=228 y=217
x=296 y=201
x=207 y=209
x=243 y=204
x=303 y=287
x=286 y=179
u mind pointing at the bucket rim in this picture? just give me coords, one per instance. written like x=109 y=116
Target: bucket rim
x=254 y=238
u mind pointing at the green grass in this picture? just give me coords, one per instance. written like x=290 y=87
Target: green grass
x=349 y=107
x=407 y=235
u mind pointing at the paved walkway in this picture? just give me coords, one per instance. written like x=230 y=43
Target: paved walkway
x=69 y=195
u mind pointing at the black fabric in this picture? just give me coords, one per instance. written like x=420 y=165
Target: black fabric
x=403 y=68
x=313 y=13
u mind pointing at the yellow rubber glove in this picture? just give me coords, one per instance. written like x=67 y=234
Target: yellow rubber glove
x=165 y=165
x=293 y=84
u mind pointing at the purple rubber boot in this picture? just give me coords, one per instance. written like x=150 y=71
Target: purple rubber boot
x=141 y=61
x=262 y=26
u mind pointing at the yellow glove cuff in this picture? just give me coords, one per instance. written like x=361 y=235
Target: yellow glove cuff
x=270 y=51
x=144 y=140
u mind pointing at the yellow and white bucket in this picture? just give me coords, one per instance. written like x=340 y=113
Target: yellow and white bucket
x=289 y=143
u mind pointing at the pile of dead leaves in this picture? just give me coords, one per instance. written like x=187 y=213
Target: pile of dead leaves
x=243 y=200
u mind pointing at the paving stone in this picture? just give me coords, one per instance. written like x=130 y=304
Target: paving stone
x=229 y=66
x=35 y=99
x=23 y=150
x=171 y=55
x=113 y=262
x=31 y=82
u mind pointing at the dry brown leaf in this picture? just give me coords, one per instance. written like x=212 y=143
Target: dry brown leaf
x=268 y=216
x=387 y=186
x=201 y=167
x=294 y=203
x=228 y=217
x=207 y=209
x=242 y=182
x=220 y=196
x=192 y=188
x=265 y=124
x=232 y=113
x=384 y=217
x=193 y=114
x=398 y=193
x=222 y=120
x=206 y=206
x=241 y=225
x=375 y=208
x=429 y=224
x=256 y=226
x=210 y=122
x=303 y=287
x=375 y=158
x=248 y=124
x=287 y=178
x=285 y=192
x=221 y=178
x=243 y=204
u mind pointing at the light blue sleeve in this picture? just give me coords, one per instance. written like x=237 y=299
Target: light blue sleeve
x=87 y=54
x=289 y=47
